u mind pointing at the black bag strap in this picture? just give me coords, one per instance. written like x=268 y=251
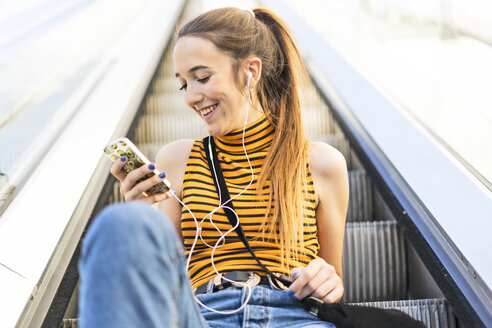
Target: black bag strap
x=226 y=198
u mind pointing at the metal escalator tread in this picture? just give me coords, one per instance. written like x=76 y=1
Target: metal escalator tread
x=317 y=121
x=433 y=312
x=374 y=262
x=150 y=149
x=165 y=103
x=164 y=128
x=360 y=198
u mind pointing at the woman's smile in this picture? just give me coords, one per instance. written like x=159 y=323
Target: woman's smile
x=208 y=111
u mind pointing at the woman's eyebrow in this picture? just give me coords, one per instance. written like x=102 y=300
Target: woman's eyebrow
x=193 y=69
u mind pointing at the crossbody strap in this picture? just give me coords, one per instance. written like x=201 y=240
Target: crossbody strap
x=220 y=184
x=334 y=313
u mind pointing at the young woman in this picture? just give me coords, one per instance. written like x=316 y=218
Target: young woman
x=241 y=72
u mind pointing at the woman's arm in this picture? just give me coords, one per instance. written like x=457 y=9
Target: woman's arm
x=172 y=159
x=323 y=277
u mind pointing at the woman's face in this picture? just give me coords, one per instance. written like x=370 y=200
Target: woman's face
x=207 y=80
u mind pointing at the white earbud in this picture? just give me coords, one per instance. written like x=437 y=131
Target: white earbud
x=250 y=75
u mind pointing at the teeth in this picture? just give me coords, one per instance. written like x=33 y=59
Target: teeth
x=207 y=110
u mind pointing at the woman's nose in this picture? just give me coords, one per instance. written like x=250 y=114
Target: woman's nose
x=193 y=97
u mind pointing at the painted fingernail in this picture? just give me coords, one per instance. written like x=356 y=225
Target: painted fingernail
x=123 y=158
x=294 y=274
x=151 y=166
x=162 y=175
x=290 y=292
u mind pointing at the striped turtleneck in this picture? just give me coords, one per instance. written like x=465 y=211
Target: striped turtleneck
x=200 y=195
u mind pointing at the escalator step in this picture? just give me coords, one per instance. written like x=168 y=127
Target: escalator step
x=150 y=149
x=166 y=83
x=166 y=103
x=360 y=198
x=374 y=262
x=434 y=313
x=166 y=128
x=318 y=122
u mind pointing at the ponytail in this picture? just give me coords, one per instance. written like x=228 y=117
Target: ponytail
x=285 y=165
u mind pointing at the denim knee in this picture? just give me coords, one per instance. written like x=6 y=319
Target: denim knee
x=131 y=229
x=131 y=218
x=131 y=268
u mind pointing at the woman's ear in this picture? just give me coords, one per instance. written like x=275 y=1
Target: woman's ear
x=253 y=66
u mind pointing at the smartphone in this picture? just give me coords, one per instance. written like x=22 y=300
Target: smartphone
x=124 y=147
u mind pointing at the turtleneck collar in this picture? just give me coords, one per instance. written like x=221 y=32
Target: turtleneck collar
x=257 y=136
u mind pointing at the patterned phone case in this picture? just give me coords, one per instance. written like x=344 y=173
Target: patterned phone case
x=123 y=146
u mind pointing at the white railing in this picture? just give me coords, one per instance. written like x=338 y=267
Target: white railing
x=42 y=225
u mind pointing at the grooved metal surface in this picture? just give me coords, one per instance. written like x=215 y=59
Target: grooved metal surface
x=360 y=198
x=374 y=262
x=434 y=313
x=164 y=128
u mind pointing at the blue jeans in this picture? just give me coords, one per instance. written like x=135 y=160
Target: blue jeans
x=133 y=275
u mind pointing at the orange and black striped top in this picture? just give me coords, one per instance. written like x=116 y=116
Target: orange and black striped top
x=200 y=195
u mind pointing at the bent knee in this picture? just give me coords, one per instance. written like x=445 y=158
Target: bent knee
x=132 y=216
x=131 y=221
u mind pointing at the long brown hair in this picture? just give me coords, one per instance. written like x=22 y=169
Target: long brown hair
x=241 y=34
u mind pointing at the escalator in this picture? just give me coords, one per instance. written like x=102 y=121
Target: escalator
x=382 y=264
x=375 y=259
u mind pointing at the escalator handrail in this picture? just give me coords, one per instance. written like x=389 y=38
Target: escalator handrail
x=39 y=231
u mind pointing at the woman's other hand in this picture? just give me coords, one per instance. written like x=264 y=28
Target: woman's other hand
x=318 y=279
x=130 y=189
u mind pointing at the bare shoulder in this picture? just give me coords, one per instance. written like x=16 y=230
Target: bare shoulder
x=329 y=171
x=325 y=161
x=175 y=151
x=172 y=159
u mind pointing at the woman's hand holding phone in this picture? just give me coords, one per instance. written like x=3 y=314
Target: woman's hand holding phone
x=133 y=187
x=139 y=178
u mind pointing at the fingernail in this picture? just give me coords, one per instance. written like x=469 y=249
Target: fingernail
x=294 y=274
x=290 y=292
x=162 y=175
x=151 y=166
x=123 y=158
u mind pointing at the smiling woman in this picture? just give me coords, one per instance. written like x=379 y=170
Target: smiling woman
x=211 y=88
x=241 y=72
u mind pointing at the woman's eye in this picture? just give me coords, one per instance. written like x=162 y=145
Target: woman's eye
x=205 y=79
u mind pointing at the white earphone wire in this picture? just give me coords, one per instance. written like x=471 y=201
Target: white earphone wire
x=209 y=215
